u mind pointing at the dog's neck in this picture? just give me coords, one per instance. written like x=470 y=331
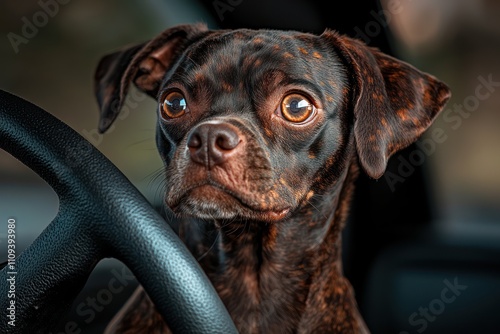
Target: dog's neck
x=267 y=273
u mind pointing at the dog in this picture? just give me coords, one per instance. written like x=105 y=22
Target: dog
x=262 y=134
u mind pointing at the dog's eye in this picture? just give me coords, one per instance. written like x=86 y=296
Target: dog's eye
x=174 y=105
x=296 y=108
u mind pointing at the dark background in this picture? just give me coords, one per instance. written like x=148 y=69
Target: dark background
x=405 y=242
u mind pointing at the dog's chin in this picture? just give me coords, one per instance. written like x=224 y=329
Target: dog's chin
x=212 y=203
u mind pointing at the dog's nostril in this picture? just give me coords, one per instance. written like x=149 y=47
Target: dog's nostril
x=194 y=141
x=227 y=140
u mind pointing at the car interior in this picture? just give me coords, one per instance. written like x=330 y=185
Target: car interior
x=422 y=243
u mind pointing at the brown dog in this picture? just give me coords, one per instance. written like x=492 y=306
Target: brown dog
x=262 y=133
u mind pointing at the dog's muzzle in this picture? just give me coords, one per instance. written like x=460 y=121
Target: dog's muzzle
x=211 y=144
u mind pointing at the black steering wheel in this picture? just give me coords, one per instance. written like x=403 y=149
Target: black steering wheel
x=101 y=215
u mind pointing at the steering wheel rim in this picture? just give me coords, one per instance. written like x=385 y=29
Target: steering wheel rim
x=101 y=215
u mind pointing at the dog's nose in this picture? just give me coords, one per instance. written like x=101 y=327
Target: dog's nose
x=211 y=144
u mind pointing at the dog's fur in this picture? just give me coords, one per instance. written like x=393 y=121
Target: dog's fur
x=263 y=210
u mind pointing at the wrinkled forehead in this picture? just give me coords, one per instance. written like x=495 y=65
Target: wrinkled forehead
x=229 y=60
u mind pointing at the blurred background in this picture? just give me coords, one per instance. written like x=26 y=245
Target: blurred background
x=422 y=247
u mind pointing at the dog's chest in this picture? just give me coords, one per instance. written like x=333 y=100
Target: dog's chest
x=263 y=284
x=263 y=300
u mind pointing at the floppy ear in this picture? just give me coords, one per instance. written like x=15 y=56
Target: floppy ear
x=394 y=103
x=144 y=64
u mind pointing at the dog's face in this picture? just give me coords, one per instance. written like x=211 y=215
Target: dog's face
x=253 y=123
x=244 y=118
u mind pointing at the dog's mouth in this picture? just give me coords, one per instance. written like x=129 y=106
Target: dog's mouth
x=211 y=200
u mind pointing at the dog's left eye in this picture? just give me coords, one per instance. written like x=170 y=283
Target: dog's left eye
x=296 y=108
x=174 y=105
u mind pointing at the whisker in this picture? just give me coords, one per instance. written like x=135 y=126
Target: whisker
x=139 y=142
x=317 y=209
x=157 y=182
x=201 y=257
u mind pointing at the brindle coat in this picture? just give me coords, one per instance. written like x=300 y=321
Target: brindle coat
x=265 y=221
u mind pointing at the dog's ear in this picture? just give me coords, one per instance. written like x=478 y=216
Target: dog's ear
x=145 y=65
x=394 y=103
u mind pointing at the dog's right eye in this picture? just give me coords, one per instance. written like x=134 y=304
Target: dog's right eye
x=296 y=108
x=174 y=105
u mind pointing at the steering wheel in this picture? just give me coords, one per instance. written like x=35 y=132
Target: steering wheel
x=101 y=215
